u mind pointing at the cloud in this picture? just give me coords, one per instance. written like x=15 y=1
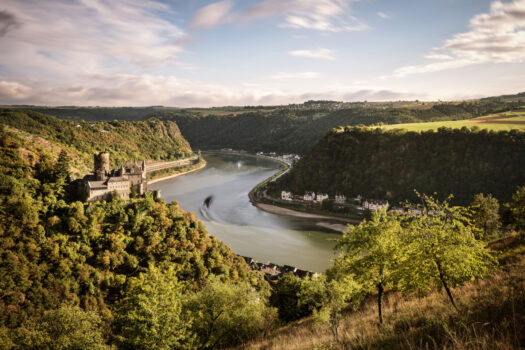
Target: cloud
x=438 y=56
x=147 y=90
x=94 y=31
x=495 y=37
x=322 y=15
x=8 y=22
x=325 y=54
x=212 y=15
x=303 y=75
x=383 y=15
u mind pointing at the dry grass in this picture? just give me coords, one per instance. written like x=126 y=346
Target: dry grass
x=491 y=316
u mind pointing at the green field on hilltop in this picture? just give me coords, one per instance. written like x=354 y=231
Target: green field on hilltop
x=497 y=122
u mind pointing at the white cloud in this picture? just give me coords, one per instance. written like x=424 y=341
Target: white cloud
x=212 y=15
x=302 y=75
x=438 y=56
x=325 y=54
x=131 y=31
x=147 y=90
x=495 y=37
x=383 y=15
x=322 y=15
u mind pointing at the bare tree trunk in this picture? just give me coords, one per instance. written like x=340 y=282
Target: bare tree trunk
x=442 y=278
x=380 y=301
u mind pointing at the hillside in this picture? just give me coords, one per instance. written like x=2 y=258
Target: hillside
x=80 y=275
x=491 y=316
x=296 y=130
x=390 y=165
x=151 y=139
x=283 y=129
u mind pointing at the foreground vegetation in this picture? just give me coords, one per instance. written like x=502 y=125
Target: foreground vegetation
x=491 y=316
x=137 y=274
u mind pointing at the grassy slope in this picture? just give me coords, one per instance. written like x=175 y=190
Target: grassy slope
x=481 y=122
x=491 y=316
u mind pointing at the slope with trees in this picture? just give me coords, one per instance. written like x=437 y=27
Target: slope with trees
x=378 y=164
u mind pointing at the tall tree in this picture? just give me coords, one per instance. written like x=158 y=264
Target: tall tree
x=371 y=252
x=485 y=214
x=150 y=315
x=517 y=209
x=440 y=245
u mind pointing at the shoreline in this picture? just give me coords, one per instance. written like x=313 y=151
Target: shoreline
x=172 y=176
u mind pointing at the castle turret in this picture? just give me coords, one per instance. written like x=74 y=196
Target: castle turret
x=101 y=165
x=144 y=169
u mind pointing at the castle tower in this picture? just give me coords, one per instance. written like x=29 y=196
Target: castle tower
x=101 y=165
x=144 y=169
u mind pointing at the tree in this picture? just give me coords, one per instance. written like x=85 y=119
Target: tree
x=226 y=314
x=516 y=209
x=67 y=328
x=335 y=295
x=285 y=296
x=485 y=214
x=440 y=245
x=62 y=166
x=150 y=315
x=371 y=252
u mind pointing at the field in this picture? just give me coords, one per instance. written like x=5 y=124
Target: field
x=496 y=122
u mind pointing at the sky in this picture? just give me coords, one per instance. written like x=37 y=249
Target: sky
x=257 y=52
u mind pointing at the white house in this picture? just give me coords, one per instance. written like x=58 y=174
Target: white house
x=286 y=196
x=309 y=196
x=321 y=197
x=340 y=199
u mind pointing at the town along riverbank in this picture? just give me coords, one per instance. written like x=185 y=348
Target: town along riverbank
x=325 y=221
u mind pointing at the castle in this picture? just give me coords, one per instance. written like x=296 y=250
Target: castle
x=104 y=182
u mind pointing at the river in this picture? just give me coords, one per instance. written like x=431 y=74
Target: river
x=246 y=229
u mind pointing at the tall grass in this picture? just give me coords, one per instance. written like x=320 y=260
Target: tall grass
x=491 y=316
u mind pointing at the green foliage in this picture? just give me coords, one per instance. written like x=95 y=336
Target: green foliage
x=150 y=316
x=485 y=214
x=372 y=251
x=91 y=254
x=285 y=297
x=516 y=209
x=336 y=293
x=440 y=246
x=151 y=139
x=379 y=164
x=66 y=328
x=290 y=130
x=225 y=314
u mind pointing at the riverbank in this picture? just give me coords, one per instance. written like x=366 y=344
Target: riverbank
x=167 y=177
x=323 y=221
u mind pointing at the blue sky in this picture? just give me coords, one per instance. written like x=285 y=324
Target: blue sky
x=250 y=52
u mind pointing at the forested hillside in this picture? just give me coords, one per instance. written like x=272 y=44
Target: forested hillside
x=392 y=164
x=287 y=130
x=284 y=129
x=151 y=139
x=135 y=274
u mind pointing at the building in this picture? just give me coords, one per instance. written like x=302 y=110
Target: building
x=286 y=196
x=104 y=182
x=321 y=197
x=309 y=196
x=340 y=199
